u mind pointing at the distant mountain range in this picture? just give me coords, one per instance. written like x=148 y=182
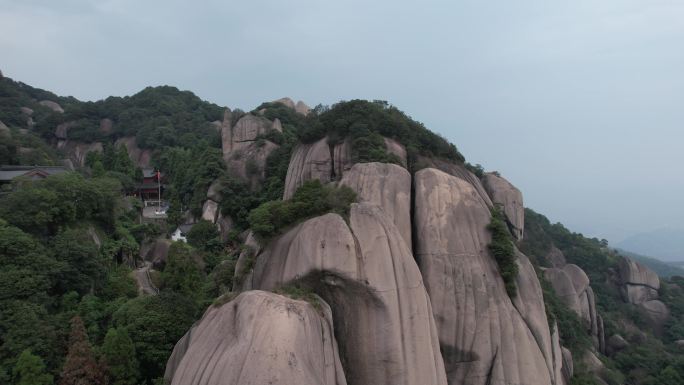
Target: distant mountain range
x=666 y=244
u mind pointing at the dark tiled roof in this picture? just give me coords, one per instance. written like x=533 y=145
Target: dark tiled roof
x=7 y=173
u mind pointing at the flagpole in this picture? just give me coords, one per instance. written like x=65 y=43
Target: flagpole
x=159 y=186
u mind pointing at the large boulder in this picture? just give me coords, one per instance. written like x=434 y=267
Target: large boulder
x=259 y=338
x=155 y=251
x=638 y=283
x=396 y=148
x=287 y=102
x=555 y=257
x=571 y=285
x=302 y=108
x=484 y=337
x=308 y=161
x=510 y=198
x=76 y=152
x=656 y=313
x=248 y=129
x=54 y=106
x=210 y=211
x=387 y=186
x=244 y=152
x=366 y=272
x=140 y=157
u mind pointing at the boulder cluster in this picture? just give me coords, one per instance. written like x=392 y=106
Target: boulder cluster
x=403 y=291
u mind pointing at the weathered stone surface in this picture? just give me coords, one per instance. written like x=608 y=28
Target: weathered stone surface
x=568 y=366
x=615 y=344
x=366 y=272
x=77 y=151
x=458 y=171
x=529 y=302
x=302 y=108
x=62 y=130
x=342 y=158
x=156 y=251
x=571 y=285
x=308 y=161
x=387 y=186
x=259 y=338
x=214 y=191
x=247 y=129
x=244 y=155
x=140 y=157
x=287 y=102
x=210 y=211
x=656 y=312
x=396 y=148
x=557 y=351
x=592 y=363
x=225 y=225
x=26 y=111
x=505 y=194
x=54 y=106
x=4 y=130
x=638 y=283
x=483 y=336
x=555 y=257
x=562 y=285
x=249 y=162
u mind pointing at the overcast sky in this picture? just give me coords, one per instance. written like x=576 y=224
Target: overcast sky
x=578 y=103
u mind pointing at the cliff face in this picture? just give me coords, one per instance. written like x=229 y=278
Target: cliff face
x=485 y=338
x=446 y=318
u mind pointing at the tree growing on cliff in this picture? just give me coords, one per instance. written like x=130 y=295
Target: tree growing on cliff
x=503 y=250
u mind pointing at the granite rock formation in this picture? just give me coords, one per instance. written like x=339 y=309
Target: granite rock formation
x=510 y=198
x=259 y=338
x=485 y=338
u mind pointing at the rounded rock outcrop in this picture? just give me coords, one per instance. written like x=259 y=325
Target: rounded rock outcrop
x=367 y=274
x=387 y=186
x=503 y=193
x=259 y=338
x=54 y=106
x=638 y=283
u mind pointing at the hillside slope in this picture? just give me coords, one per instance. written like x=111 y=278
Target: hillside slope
x=350 y=229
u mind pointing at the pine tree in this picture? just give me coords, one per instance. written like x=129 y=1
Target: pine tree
x=30 y=370
x=119 y=355
x=80 y=367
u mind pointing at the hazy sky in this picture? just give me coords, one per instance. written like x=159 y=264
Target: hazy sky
x=579 y=103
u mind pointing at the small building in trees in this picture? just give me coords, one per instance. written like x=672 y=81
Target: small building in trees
x=9 y=173
x=151 y=188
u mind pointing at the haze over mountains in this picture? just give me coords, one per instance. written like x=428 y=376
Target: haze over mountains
x=666 y=244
